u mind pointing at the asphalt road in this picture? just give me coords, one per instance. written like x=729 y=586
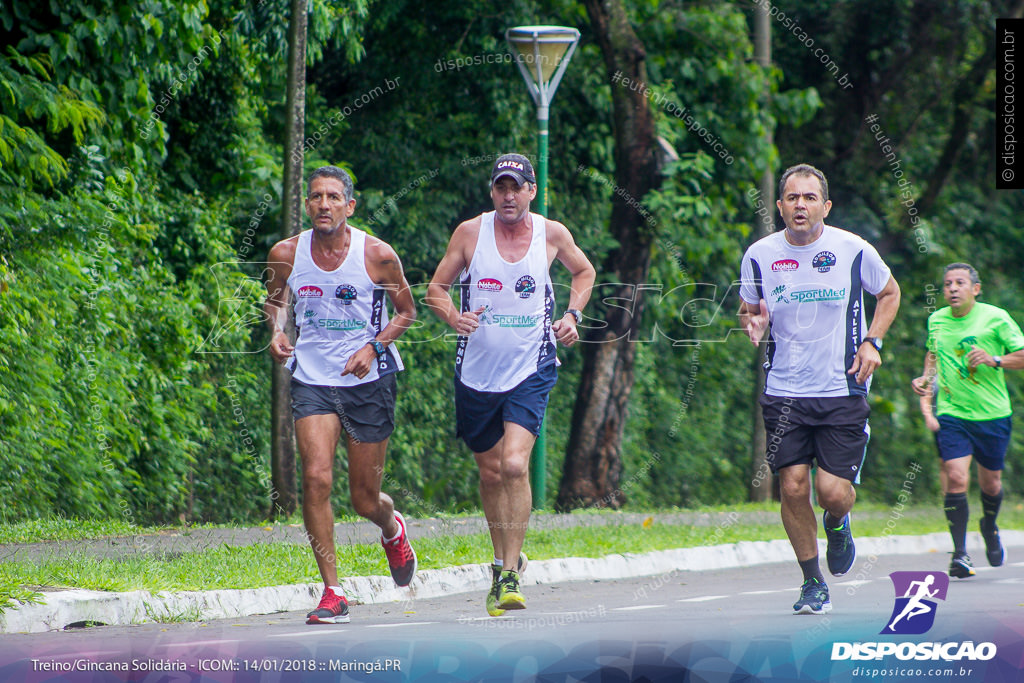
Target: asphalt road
x=725 y=625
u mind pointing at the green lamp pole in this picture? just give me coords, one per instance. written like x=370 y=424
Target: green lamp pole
x=542 y=53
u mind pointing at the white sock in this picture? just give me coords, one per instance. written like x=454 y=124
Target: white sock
x=388 y=540
x=337 y=591
x=499 y=563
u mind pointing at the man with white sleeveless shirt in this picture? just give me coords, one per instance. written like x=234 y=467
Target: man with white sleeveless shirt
x=805 y=285
x=343 y=370
x=505 y=363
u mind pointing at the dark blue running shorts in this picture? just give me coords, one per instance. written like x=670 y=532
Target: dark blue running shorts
x=986 y=440
x=480 y=416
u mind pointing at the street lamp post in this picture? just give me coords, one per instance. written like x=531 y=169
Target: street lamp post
x=542 y=54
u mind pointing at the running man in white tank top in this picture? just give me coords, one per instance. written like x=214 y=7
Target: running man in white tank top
x=505 y=359
x=343 y=370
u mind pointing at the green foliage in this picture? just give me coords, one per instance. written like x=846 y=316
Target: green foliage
x=107 y=409
x=139 y=167
x=133 y=387
x=28 y=98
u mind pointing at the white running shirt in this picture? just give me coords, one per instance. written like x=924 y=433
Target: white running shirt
x=336 y=314
x=816 y=308
x=514 y=339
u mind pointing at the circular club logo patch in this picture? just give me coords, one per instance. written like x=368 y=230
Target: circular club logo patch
x=489 y=284
x=525 y=286
x=347 y=294
x=824 y=261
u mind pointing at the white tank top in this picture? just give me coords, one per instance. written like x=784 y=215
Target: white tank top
x=514 y=339
x=336 y=314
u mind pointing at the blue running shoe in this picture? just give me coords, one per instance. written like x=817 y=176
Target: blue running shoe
x=960 y=566
x=841 y=551
x=813 y=598
x=994 y=551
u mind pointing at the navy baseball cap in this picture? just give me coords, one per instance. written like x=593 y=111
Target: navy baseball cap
x=516 y=166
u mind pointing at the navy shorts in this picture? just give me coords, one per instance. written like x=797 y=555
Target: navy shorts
x=480 y=416
x=366 y=411
x=986 y=440
x=831 y=430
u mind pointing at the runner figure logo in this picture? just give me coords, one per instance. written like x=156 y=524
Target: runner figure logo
x=914 y=611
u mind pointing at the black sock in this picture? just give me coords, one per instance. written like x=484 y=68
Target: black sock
x=831 y=522
x=956 y=514
x=811 y=569
x=990 y=508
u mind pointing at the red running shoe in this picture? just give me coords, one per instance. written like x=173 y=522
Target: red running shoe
x=333 y=609
x=401 y=556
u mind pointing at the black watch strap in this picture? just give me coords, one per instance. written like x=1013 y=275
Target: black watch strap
x=575 y=314
x=378 y=348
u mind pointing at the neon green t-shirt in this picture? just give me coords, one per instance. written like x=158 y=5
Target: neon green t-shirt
x=978 y=394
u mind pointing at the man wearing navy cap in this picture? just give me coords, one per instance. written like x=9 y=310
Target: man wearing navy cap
x=505 y=363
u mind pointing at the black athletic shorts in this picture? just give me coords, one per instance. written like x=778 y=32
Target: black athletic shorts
x=833 y=431
x=366 y=411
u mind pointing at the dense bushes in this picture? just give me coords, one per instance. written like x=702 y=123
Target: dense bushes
x=107 y=409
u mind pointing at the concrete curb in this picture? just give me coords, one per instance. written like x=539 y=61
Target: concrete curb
x=76 y=606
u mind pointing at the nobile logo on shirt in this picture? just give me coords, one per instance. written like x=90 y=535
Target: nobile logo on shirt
x=916 y=595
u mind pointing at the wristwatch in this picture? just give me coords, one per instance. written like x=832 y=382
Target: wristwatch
x=378 y=348
x=998 y=360
x=576 y=314
x=874 y=341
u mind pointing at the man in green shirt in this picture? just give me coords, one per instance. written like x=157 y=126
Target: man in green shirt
x=969 y=345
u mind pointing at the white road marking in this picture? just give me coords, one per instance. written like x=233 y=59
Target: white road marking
x=703 y=598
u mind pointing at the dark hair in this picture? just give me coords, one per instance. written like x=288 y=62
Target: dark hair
x=804 y=169
x=975 y=279
x=337 y=174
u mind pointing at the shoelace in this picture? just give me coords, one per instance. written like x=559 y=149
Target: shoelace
x=811 y=589
x=838 y=532
x=399 y=549
x=330 y=602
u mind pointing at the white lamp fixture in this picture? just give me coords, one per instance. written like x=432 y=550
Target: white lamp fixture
x=542 y=53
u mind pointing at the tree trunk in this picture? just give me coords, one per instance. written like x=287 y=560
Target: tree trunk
x=284 y=498
x=760 y=476
x=593 y=464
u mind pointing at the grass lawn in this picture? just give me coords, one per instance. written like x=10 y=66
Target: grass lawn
x=272 y=564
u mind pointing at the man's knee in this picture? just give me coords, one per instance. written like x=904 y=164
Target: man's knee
x=316 y=485
x=490 y=477
x=836 y=498
x=365 y=503
x=990 y=482
x=957 y=479
x=515 y=466
x=794 y=487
